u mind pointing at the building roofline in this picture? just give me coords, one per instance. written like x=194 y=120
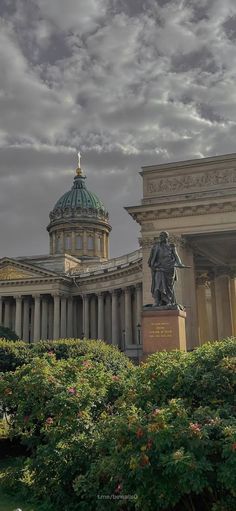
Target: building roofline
x=209 y=160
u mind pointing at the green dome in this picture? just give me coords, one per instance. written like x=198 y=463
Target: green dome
x=80 y=197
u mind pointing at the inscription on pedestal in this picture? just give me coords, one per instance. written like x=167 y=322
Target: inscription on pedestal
x=160 y=329
x=163 y=330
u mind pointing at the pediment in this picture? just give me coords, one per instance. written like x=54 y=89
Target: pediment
x=13 y=270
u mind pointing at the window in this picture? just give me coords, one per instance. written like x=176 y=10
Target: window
x=68 y=242
x=58 y=244
x=90 y=243
x=79 y=244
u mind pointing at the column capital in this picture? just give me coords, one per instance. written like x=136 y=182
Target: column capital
x=115 y=292
x=57 y=294
x=17 y=297
x=138 y=285
x=202 y=279
x=128 y=289
x=36 y=296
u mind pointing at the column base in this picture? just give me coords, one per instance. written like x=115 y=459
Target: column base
x=163 y=329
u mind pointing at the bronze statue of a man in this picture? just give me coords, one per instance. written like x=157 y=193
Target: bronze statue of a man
x=163 y=261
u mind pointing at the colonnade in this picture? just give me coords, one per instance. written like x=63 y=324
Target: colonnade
x=114 y=315
x=216 y=303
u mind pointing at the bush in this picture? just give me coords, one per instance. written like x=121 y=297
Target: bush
x=7 y=333
x=160 y=436
x=56 y=408
x=173 y=443
x=13 y=354
x=19 y=353
x=112 y=358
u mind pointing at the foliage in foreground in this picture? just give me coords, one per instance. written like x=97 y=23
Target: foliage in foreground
x=163 y=437
x=13 y=355
x=7 y=333
x=55 y=408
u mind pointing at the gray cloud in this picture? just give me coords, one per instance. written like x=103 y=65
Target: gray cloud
x=129 y=83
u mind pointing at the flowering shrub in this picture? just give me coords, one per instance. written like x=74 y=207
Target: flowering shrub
x=173 y=443
x=13 y=355
x=55 y=408
x=7 y=333
x=160 y=436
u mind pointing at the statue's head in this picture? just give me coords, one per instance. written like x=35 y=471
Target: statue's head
x=164 y=236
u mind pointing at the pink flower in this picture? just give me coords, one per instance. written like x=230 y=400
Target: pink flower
x=118 y=488
x=139 y=433
x=156 y=412
x=26 y=418
x=234 y=447
x=51 y=353
x=72 y=390
x=195 y=427
x=86 y=363
x=49 y=421
x=115 y=378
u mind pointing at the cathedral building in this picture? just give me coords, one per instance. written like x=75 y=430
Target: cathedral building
x=78 y=291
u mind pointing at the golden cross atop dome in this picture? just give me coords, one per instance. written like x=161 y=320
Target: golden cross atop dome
x=79 y=159
x=79 y=170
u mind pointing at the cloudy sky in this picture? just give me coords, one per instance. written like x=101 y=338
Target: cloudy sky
x=128 y=82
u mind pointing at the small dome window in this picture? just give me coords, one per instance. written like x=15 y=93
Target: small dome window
x=58 y=244
x=68 y=242
x=79 y=242
x=90 y=243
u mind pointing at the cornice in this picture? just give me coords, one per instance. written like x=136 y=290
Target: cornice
x=105 y=277
x=148 y=241
x=25 y=282
x=172 y=212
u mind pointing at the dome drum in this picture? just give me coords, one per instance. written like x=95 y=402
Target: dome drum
x=79 y=223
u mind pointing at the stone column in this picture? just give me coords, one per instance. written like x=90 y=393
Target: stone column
x=138 y=289
x=85 y=248
x=107 y=246
x=233 y=302
x=63 y=242
x=32 y=320
x=100 y=316
x=26 y=320
x=56 y=317
x=73 y=242
x=50 y=319
x=1 y=311
x=114 y=317
x=75 y=317
x=203 y=320
x=93 y=317
x=70 y=317
x=44 y=318
x=188 y=293
x=18 y=316
x=128 y=319
x=63 y=317
x=7 y=313
x=223 y=306
x=214 y=325
x=96 y=253
x=53 y=243
x=108 y=319
x=37 y=318
x=104 y=246
x=86 y=316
